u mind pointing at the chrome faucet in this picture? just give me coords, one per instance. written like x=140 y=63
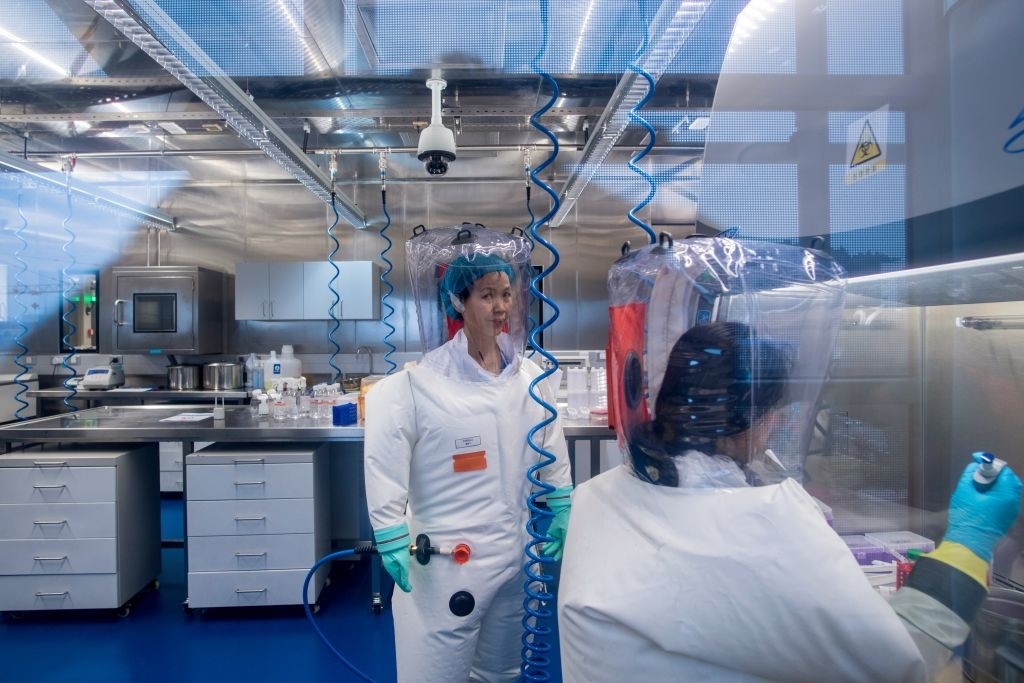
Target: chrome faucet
x=368 y=350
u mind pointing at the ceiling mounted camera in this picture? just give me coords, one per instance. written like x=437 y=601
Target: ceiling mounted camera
x=437 y=143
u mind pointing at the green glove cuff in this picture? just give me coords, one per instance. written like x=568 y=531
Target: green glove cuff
x=560 y=498
x=392 y=538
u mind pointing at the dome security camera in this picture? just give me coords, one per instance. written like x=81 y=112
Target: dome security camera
x=437 y=143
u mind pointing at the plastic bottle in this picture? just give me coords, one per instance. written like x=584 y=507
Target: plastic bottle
x=257 y=373
x=290 y=365
x=250 y=367
x=272 y=371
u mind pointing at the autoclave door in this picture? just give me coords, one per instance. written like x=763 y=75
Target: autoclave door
x=154 y=313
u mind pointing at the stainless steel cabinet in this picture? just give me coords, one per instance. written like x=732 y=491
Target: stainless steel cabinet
x=259 y=517
x=268 y=290
x=358 y=287
x=299 y=290
x=79 y=529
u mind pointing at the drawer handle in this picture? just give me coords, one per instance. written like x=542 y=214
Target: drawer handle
x=50 y=463
x=263 y=554
x=62 y=558
x=251 y=519
x=251 y=590
x=49 y=486
x=177 y=462
x=248 y=461
x=52 y=595
x=42 y=522
x=250 y=483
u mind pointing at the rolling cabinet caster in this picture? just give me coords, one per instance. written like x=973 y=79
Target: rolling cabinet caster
x=124 y=611
x=315 y=608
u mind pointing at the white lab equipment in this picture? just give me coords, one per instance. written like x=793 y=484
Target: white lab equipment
x=104 y=377
x=577 y=392
x=598 y=391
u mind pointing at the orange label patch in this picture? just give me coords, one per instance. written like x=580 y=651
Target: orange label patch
x=469 y=462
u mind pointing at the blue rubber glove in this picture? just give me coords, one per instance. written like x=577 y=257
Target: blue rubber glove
x=393 y=548
x=978 y=519
x=559 y=501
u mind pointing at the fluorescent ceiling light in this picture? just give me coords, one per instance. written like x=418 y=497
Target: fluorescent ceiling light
x=583 y=34
x=172 y=128
x=20 y=45
x=700 y=123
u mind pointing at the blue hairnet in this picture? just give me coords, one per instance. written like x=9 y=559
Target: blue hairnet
x=461 y=273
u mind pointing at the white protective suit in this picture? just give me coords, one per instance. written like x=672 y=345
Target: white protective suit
x=729 y=584
x=417 y=420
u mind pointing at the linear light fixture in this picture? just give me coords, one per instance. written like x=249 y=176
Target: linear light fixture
x=220 y=92
x=22 y=47
x=44 y=177
x=669 y=30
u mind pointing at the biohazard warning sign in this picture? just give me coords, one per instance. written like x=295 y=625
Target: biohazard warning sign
x=865 y=145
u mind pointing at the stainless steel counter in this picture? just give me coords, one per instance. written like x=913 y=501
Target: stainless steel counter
x=155 y=394
x=91 y=398
x=111 y=424
x=143 y=423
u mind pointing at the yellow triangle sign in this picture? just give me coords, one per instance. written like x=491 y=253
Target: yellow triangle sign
x=867 y=147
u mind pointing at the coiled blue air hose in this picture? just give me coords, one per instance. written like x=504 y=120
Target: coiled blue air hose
x=309 y=612
x=530 y=322
x=388 y=287
x=334 y=292
x=66 y=288
x=22 y=329
x=651 y=133
x=536 y=651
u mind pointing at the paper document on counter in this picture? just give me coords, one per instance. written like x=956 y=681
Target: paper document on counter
x=187 y=417
x=130 y=389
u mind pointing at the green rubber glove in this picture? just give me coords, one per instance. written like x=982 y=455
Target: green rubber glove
x=978 y=519
x=393 y=548
x=559 y=501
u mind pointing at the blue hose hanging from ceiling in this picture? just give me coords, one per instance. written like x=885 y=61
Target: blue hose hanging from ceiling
x=20 y=287
x=66 y=340
x=531 y=323
x=536 y=648
x=388 y=287
x=651 y=133
x=332 y=312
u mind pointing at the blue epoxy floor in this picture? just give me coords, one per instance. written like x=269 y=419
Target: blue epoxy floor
x=159 y=642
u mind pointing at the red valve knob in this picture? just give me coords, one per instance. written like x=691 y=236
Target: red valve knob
x=460 y=553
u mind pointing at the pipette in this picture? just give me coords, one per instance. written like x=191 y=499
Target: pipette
x=989 y=468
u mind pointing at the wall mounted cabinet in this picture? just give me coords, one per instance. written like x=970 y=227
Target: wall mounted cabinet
x=358 y=287
x=268 y=290
x=299 y=290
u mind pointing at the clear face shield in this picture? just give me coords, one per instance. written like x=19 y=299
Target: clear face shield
x=720 y=346
x=472 y=280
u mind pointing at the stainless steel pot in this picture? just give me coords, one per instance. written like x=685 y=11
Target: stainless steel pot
x=222 y=376
x=183 y=377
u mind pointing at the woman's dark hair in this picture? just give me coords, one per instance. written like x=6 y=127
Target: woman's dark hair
x=720 y=379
